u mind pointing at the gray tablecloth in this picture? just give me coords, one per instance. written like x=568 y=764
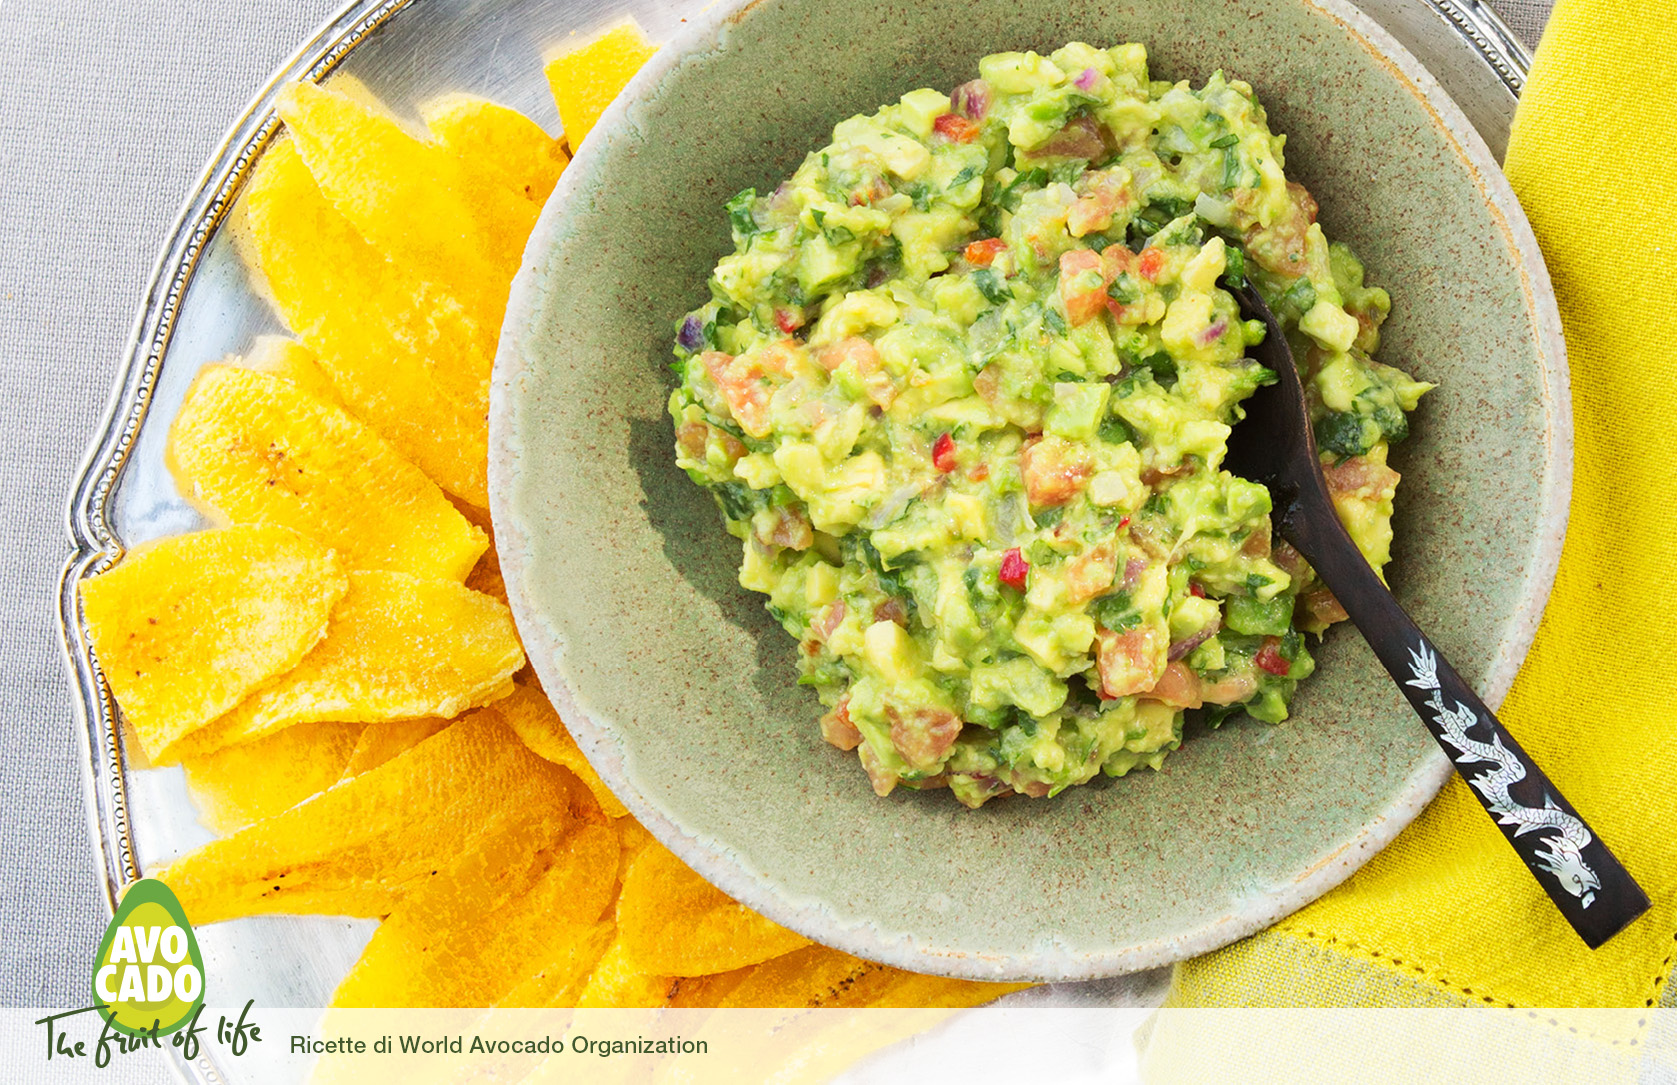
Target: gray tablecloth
x=106 y=114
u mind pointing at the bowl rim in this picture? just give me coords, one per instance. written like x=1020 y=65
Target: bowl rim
x=1246 y=917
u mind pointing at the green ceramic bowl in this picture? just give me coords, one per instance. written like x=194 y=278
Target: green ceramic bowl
x=680 y=688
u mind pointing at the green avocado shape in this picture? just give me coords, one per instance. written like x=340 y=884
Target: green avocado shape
x=148 y=976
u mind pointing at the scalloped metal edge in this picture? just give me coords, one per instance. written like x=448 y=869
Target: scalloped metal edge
x=92 y=536
x=1485 y=31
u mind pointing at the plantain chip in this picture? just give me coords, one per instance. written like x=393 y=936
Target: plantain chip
x=529 y=712
x=361 y=847
x=819 y=977
x=411 y=199
x=559 y=981
x=672 y=922
x=585 y=80
x=617 y=982
x=238 y=785
x=379 y=742
x=403 y=355
x=498 y=148
x=469 y=937
x=912 y=990
x=285 y=357
x=258 y=449
x=486 y=574
x=187 y=627
x=399 y=648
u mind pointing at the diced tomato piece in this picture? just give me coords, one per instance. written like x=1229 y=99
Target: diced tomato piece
x=1269 y=657
x=979 y=473
x=1015 y=570
x=956 y=128
x=1195 y=590
x=1131 y=661
x=882 y=778
x=791 y=530
x=745 y=388
x=943 y=454
x=875 y=381
x=984 y=253
x=1082 y=285
x=1151 y=263
x=789 y=320
x=1091 y=573
x=1234 y=689
x=1177 y=686
x=837 y=728
x=1054 y=470
x=923 y=736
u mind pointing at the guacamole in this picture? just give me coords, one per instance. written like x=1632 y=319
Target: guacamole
x=963 y=390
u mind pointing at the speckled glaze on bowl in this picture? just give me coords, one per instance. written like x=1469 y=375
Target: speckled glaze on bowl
x=680 y=688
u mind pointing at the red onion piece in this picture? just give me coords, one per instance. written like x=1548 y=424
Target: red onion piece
x=1188 y=644
x=972 y=100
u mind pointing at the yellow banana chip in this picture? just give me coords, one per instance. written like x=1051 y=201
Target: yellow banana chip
x=238 y=785
x=486 y=574
x=618 y=983
x=404 y=356
x=259 y=449
x=502 y=148
x=359 y=848
x=379 y=742
x=398 y=648
x=469 y=937
x=585 y=80
x=529 y=713
x=559 y=981
x=672 y=922
x=820 y=977
x=187 y=627
x=911 y=990
x=411 y=199
x=287 y=358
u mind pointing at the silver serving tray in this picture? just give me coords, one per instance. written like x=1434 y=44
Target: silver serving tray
x=199 y=307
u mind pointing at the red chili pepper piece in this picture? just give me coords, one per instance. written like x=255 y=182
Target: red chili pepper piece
x=1270 y=658
x=943 y=454
x=1014 y=570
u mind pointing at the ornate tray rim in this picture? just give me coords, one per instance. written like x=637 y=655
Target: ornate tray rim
x=93 y=538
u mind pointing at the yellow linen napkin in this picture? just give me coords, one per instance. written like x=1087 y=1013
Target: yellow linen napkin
x=1448 y=915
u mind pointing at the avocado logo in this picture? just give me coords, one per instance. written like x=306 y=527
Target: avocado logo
x=148 y=977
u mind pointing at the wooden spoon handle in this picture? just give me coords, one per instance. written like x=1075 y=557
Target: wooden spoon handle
x=1586 y=881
